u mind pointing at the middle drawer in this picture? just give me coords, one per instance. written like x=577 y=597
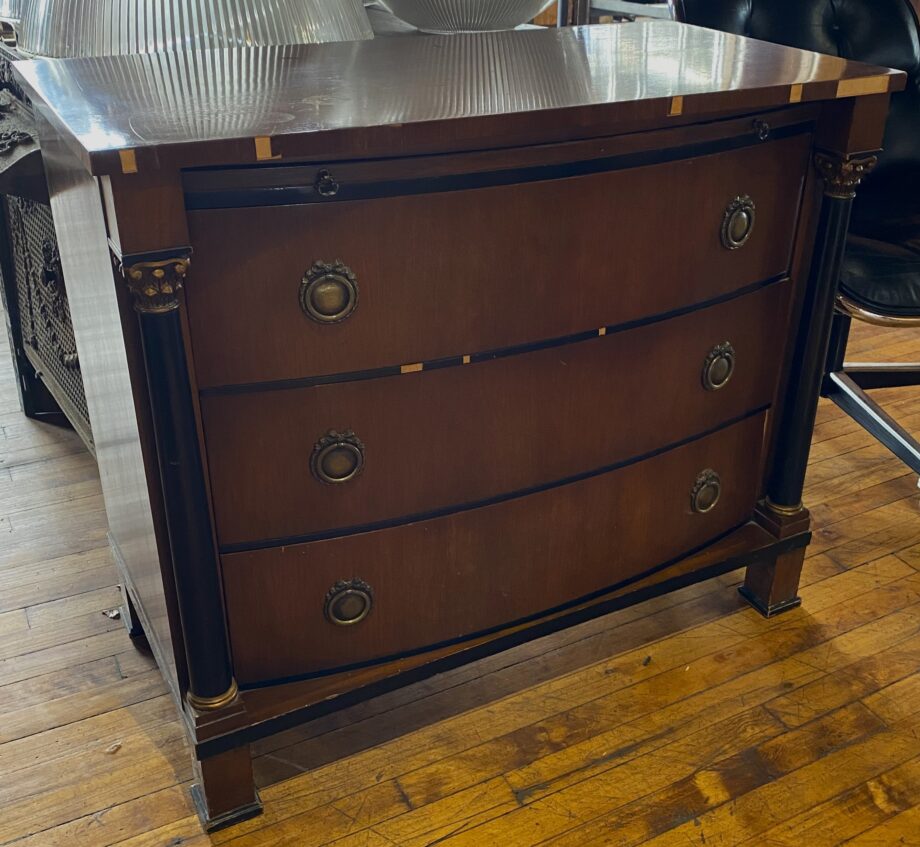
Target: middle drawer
x=330 y=457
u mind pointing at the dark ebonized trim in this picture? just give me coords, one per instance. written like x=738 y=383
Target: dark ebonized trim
x=341 y=532
x=485 y=356
x=769 y=611
x=228 y=819
x=223 y=743
x=185 y=501
x=301 y=191
x=812 y=344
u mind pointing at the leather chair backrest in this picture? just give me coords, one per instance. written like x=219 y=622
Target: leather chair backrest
x=880 y=32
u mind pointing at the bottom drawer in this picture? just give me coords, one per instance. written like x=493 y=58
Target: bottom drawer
x=292 y=610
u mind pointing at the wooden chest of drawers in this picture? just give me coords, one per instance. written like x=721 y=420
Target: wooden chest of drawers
x=422 y=375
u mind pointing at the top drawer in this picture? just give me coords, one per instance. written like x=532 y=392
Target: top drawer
x=459 y=272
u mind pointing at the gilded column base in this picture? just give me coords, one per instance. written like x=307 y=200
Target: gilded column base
x=211 y=704
x=785 y=511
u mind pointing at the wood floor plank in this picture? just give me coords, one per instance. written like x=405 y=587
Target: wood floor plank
x=902 y=829
x=15 y=621
x=69 y=709
x=115 y=824
x=721 y=779
x=850 y=814
x=52 y=612
x=743 y=818
x=24 y=759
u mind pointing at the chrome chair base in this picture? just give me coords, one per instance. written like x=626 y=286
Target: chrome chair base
x=846 y=384
x=843 y=391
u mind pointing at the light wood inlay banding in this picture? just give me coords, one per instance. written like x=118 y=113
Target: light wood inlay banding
x=861 y=87
x=264 y=149
x=128 y=161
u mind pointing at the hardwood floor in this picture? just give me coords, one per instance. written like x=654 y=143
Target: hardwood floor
x=687 y=720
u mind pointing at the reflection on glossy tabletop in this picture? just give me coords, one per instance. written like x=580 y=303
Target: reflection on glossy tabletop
x=144 y=101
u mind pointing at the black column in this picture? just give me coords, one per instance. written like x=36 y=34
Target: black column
x=155 y=285
x=841 y=176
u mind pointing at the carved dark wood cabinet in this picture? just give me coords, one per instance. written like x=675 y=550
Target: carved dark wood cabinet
x=403 y=352
x=39 y=326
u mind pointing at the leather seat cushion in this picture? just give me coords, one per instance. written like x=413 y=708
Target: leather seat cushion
x=887 y=207
x=881 y=276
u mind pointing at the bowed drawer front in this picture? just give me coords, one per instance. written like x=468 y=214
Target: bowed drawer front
x=330 y=457
x=310 y=607
x=365 y=284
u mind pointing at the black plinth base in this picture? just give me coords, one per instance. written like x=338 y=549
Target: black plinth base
x=244 y=813
x=770 y=611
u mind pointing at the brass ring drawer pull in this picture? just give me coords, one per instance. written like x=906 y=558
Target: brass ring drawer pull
x=326 y=184
x=348 y=602
x=337 y=457
x=719 y=366
x=329 y=292
x=738 y=222
x=706 y=491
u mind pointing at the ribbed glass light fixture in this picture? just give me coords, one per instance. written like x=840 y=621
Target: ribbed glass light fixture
x=448 y=16
x=68 y=28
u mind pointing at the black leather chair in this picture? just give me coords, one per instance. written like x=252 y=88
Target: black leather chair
x=880 y=281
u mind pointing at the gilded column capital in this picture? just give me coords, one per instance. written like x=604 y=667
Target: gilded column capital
x=842 y=174
x=155 y=284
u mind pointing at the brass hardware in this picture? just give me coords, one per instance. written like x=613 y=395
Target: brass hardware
x=156 y=285
x=329 y=292
x=706 y=492
x=842 y=175
x=418 y=367
x=785 y=511
x=719 y=366
x=338 y=457
x=326 y=185
x=762 y=128
x=796 y=91
x=738 y=222
x=348 y=602
x=210 y=704
x=676 y=106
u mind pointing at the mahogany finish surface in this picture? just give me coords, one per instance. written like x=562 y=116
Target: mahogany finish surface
x=492 y=565
x=387 y=95
x=537 y=446
x=457 y=435
x=421 y=298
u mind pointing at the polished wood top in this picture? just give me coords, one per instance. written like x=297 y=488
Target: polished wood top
x=377 y=96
